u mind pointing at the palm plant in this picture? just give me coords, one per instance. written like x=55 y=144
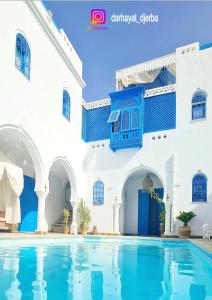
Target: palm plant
x=185 y=217
x=83 y=213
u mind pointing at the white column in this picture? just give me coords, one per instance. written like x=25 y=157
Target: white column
x=41 y=226
x=116 y=208
x=167 y=220
x=73 y=228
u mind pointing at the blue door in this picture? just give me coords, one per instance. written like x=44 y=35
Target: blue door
x=143 y=213
x=29 y=206
x=148 y=213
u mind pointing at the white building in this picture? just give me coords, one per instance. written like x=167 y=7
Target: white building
x=160 y=131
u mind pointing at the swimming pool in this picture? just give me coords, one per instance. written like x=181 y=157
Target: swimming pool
x=103 y=268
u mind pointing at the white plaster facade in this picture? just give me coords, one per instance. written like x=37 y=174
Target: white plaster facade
x=175 y=159
x=31 y=110
x=35 y=135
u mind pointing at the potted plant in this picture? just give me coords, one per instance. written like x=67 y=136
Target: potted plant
x=162 y=217
x=185 y=231
x=66 y=215
x=84 y=217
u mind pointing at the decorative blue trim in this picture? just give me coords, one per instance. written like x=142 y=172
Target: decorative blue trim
x=205 y=46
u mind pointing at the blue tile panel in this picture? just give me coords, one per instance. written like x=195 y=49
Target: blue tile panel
x=159 y=115
x=94 y=124
x=160 y=112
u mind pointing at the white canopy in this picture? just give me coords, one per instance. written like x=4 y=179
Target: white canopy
x=146 y=72
x=11 y=186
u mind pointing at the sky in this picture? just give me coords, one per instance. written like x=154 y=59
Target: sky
x=121 y=44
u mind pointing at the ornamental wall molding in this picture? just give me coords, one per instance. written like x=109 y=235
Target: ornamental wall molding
x=57 y=38
x=149 y=93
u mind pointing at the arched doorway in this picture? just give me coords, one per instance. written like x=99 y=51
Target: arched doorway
x=62 y=194
x=17 y=147
x=139 y=214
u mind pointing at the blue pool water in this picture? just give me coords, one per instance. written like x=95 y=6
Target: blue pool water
x=103 y=268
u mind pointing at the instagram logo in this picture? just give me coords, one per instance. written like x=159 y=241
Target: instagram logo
x=98 y=16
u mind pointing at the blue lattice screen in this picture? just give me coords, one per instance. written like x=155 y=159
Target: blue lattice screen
x=159 y=114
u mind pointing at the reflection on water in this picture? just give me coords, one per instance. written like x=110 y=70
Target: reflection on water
x=96 y=270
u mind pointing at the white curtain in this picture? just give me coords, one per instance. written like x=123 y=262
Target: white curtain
x=11 y=186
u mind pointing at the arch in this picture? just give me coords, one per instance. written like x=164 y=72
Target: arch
x=22 y=55
x=140 y=211
x=98 y=193
x=70 y=173
x=199 y=100
x=66 y=105
x=132 y=172
x=199 y=188
x=22 y=135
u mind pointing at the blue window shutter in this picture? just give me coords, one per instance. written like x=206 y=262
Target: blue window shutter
x=125 y=120
x=22 y=55
x=98 y=193
x=135 y=118
x=66 y=105
x=199 y=105
x=199 y=188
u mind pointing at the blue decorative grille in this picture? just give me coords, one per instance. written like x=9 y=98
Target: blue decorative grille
x=22 y=55
x=199 y=105
x=125 y=123
x=199 y=188
x=159 y=115
x=98 y=193
x=66 y=105
x=94 y=124
x=135 y=119
x=160 y=112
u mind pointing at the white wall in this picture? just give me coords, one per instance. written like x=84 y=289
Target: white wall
x=113 y=169
x=36 y=104
x=55 y=202
x=194 y=145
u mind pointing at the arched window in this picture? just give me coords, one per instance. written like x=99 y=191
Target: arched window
x=125 y=123
x=199 y=105
x=199 y=188
x=22 y=55
x=135 y=118
x=66 y=105
x=98 y=193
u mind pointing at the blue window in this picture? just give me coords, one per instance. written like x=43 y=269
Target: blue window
x=98 y=193
x=22 y=55
x=135 y=118
x=125 y=122
x=199 y=188
x=199 y=105
x=66 y=105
